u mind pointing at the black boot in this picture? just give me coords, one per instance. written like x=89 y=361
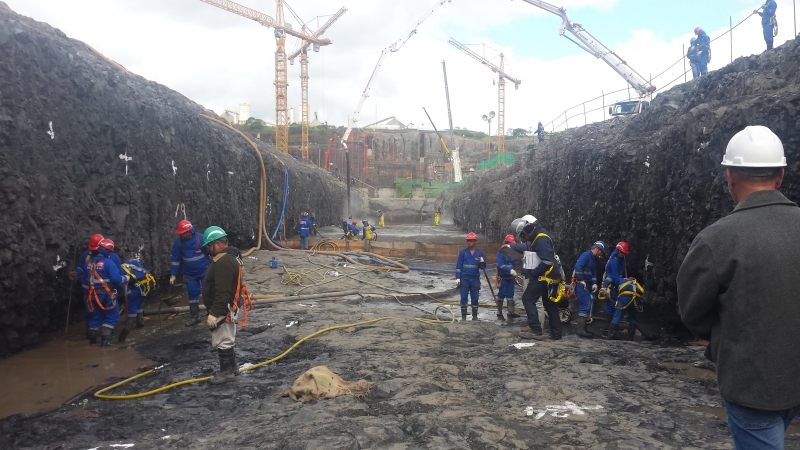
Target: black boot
x=464 y=314
x=194 y=318
x=607 y=330
x=227 y=367
x=474 y=313
x=631 y=331
x=500 y=310
x=582 y=331
x=92 y=336
x=613 y=332
x=105 y=337
x=769 y=45
x=512 y=313
x=140 y=319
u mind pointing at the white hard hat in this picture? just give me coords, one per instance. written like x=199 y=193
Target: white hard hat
x=529 y=218
x=755 y=146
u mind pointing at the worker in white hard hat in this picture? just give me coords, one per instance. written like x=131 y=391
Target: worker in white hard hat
x=737 y=288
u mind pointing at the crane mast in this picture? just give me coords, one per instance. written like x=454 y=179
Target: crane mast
x=591 y=45
x=454 y=151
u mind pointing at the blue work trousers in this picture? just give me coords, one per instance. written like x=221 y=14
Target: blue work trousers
x=584 y=300
x=506 y=289
x=768 y=32
x=98 y=317
x=135 y=301
x=695 y=70
x=304 y=242
x=611 y=303
x=470 y=287
x=756 y=428
x=195 y=287
x=703 y=64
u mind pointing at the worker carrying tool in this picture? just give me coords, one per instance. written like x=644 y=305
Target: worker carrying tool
x=508 y=281
x=226 y=301
x=368 y=232
x=471 y=261
x=437 y=216
x=140 y=284
x=352 y=231
x=615 y=270
x=381 y=223
x=585 y=278
x=188 y=251
x=102 y=280
x=769 y=23
x=304 y=227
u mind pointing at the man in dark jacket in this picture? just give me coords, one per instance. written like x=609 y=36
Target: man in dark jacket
x=219 y=291
x=737 y=289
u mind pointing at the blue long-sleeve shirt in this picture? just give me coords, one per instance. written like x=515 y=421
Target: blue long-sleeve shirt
x=615 y=269
x=505 y=264
x=192 y=254
x=543 y=247
x=353 y=229
x=703 y=42
x=586 y=268
x=304 y=227
x=769 y=10
x=106 y=271
x=84 y=261
x=468 y=264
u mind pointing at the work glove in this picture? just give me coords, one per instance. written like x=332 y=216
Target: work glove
x=458 y=283
x=479 y=259
x=211 y=321
x=513 y=273
x=583 y=283
x=172 y=280
x=594 y=288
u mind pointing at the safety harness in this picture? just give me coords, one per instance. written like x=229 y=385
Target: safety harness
x=93 y=298
x=144 y=281
x=556 y=285
x=242 y=303
x=630 y=293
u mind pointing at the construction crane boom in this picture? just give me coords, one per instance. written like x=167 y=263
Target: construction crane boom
x=590 y=44
x=317 y=34
x=394 y=47
x=454 y=151
x=441 y=139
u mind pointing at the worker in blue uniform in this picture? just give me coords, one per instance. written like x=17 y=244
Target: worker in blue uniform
x=471 y=260
x=693 y=54
x=140 y=284
x=768 y=21
x=585 y=276
x=188 y=251
x=506 y=270
x=314 y=224
x=368 y=232
x=304 y=229
x=704 y=50
x=615 y=269
x=344 y=228
x=540 y=132
x=102 y=281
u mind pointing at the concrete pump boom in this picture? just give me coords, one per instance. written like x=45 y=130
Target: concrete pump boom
x=591 y=45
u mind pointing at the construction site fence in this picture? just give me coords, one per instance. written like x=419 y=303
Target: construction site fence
x=579 y=113
x=504 y=158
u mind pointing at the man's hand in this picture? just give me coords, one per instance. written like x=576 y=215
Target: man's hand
x=479 y=259
x=172 y=280
x=73 y=275
x=458 y=283
x=211 y=321
x=583 y=283
x=513 y=273
x=594 y=288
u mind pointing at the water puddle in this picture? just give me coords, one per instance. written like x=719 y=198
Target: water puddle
x=56 y=371
x=690 y=371
x=721 y=413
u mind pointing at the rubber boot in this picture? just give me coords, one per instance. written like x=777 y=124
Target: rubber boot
x=512 y=313
x=631 y=331
x=474 y=313
x=227 y=367
x=769 y=45
x=464 y=314
x=194 y=311
x=105 y=337
x=613 y=332
x=92 y=336
x=500 y=309
x=607 y=330
x=582 y=331
x=140 y=319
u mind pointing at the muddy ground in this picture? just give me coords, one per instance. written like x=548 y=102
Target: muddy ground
x=449 y=385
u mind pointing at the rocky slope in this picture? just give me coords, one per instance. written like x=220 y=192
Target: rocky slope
x=653 y=180
x=86 y=147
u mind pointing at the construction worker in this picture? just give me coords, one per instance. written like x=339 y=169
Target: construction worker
x=703 y=49
x=508 y=281
x=314 y=224
x=304 y=228
x=471 y=261
x=768 y=21
x=437 y=216
x=585 y=276
x=219 y=292
x=693 y=54
x=188 y=251
x=345 y=228
x=380 y=219
x=368 y=232
x=615 y=270
x=540 y=132
x=352 y=230
x=540 y=259
x=140 y=284
x=737 y=289
x=102 y=280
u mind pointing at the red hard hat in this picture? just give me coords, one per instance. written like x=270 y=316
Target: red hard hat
x=107 y=244
x=697 y=30
x=623 y=247
x=183 y=227
x=355 y=222
x=94 y=241
x=472 y=236
x=509 y=239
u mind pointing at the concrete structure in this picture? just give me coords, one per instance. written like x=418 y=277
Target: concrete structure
x=391 y=124
x=244 y=112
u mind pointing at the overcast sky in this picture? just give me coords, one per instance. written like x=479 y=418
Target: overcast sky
x=219 y=59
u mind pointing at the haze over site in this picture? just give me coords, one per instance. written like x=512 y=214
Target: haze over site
x=219 y=59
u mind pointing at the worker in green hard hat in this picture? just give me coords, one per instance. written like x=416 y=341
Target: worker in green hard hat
x=219 y=291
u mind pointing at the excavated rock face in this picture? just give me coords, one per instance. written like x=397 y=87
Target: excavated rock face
x=653 y=180
x=86 y=147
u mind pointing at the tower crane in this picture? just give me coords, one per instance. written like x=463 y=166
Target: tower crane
x=591 y=45
x=303 y=52
x=281 y=30
x=501 y=89
x=394 y=47
x=456 y=159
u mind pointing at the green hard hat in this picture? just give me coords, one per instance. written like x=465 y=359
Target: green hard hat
x=212 y=234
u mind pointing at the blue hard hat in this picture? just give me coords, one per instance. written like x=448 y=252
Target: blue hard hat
x=601 y=245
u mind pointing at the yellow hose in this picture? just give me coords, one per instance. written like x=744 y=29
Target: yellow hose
x=101 y=392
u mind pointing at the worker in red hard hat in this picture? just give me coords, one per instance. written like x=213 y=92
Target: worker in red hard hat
x=703 y=50
x=188 y=251
x=615 y=270
x=102 y=280
x=506 y=269
x=471 y=261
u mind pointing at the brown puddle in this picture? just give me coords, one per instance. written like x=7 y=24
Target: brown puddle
x=691 y=371
x=794 y=427
x=56 y=371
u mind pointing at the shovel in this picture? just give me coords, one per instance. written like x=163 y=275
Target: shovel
x=499 y=306
x=123 y=333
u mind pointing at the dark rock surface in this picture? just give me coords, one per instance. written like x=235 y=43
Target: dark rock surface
x=58 y=188
x=653 y=180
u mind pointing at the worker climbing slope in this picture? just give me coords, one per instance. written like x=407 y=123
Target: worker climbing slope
x=189 y=252
x=471 y=261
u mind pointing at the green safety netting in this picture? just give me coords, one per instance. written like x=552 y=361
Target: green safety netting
x=404 y=187
x=505 y=159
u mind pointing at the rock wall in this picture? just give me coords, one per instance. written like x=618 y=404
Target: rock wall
x=87 y=147
x=653 y=180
